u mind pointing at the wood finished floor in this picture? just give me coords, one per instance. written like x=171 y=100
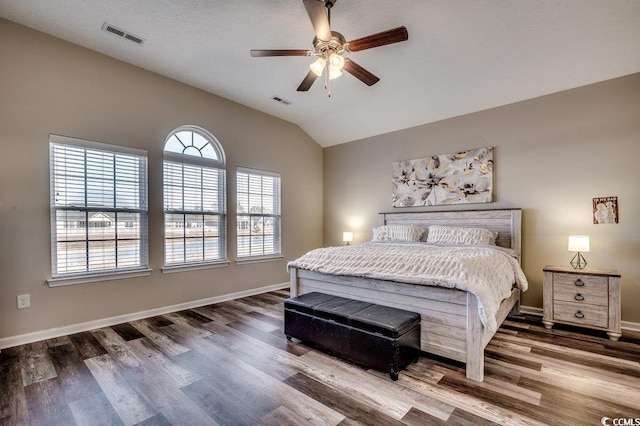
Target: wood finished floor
x=230 y=364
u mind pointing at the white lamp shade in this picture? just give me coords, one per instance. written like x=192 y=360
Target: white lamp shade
x=347 y=237
x=579 y=243
x=318 y=66
x=336 y=62
x=333 y=74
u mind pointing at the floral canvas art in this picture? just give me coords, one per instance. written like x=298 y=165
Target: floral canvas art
x=461 y=178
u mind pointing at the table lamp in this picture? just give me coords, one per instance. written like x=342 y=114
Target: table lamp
x=578 y=243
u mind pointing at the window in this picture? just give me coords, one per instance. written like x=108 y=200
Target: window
x=194 y=198
x=258 y=223
x=98 y=208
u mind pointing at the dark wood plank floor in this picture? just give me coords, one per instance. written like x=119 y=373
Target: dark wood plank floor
x=229 y=364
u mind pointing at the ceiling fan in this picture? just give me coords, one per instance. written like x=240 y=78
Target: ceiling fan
x=330 y=46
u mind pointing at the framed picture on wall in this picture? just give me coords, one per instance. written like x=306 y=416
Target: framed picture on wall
x=605 y=210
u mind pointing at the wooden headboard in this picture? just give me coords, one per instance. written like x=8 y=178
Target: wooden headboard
x=507 y=222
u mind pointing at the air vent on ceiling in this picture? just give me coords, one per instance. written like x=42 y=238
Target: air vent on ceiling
x=282 y=101
x=121 y=33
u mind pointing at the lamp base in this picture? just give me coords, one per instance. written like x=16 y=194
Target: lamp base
x=578 y=261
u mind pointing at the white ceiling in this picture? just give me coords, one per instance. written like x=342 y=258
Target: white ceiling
x=462 y=55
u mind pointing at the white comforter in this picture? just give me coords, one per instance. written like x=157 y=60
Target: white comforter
x=488 y=272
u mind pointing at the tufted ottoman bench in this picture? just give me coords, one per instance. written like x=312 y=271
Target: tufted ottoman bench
x=376 y=336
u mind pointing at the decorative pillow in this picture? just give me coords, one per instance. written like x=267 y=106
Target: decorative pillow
x=397 y=233
x=440 y=234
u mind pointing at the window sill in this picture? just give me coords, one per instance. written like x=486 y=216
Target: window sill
x=85 y=279
x=259 y=259
x=193 y=267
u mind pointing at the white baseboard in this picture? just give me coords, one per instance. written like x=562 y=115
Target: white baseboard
x=632 y=326
x=36 y=336
x=626 y=325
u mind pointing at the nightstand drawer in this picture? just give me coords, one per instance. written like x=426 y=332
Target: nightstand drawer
x=581 y=283
x=583 y=295
x=579 y=313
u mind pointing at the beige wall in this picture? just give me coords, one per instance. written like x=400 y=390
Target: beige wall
x=552 y=156
x=50 y=86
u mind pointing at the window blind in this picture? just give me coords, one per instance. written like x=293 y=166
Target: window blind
x=98 y=207
x=194 y=205
x=194 y=198
x=258 y=213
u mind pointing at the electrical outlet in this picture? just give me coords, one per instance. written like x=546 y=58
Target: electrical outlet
x=24 y=301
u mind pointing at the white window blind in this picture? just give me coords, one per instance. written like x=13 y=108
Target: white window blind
x=194 y=198
x=98 y=208
x=258 y=213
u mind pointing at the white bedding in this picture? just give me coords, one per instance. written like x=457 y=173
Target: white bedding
x=488 y=272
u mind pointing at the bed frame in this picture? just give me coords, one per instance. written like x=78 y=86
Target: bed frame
x=450 y=325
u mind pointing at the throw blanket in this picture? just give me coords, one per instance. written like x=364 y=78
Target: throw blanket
x=488 y=272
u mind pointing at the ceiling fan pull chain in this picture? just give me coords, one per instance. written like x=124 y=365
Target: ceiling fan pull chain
x=327 y=79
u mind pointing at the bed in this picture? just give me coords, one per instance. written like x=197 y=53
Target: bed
x=450 y=318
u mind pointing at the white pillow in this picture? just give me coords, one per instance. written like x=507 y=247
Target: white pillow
x=440 y=234
x=397 y=233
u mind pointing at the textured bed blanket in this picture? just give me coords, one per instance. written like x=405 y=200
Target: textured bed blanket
x=488 y=272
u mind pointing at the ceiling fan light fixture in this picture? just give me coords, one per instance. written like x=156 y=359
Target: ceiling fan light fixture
x=318 y=66
x=333 y=74
x=336 y=62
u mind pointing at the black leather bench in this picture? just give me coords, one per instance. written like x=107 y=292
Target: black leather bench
x=379 y=337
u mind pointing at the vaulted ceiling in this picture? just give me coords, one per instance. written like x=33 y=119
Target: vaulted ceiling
x=462 y=56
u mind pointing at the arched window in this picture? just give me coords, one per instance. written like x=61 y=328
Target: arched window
x=194 y=198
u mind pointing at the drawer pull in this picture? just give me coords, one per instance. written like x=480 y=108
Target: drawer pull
x=579 y=315
x=579 y=283
x=579 y=297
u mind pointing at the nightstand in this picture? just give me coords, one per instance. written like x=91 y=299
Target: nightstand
x=585 y=297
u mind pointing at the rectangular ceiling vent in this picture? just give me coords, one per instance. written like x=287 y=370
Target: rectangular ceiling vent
x=121 y=33
x=282 y=101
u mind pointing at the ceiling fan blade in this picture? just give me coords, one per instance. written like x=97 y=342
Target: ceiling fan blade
x=281 y=52
x=319 y=19
x=360 y=73
x=394 y=35
x=307 y=82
